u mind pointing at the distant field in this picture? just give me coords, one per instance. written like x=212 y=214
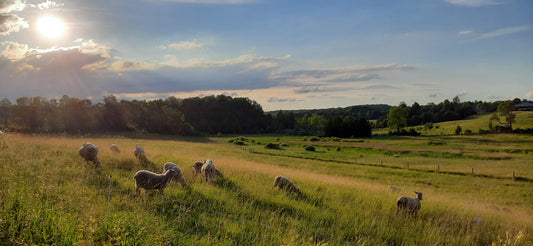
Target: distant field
x=524 y=119
x=50 y=196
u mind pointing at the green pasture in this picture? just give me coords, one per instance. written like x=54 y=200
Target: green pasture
x=524 y=120
x=51 y=196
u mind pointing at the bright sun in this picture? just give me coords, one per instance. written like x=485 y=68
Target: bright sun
x=50 y=26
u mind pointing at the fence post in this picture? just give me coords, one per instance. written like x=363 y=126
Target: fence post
x=472 y=171
x=382 y=163
x=109 y=193
x=438 y=168
x=514 y=178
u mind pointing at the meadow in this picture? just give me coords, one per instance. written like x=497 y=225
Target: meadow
x=51 y=196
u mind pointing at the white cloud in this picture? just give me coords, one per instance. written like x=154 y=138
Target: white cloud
x=11 y=23
x=465 y=32
x=14 y=51
x=344 y=74
x=474 y=3
x=529 y=95
x=247 y=62
x=49 y=4
x=504 y=31
x=7 y=6
x=185 y=45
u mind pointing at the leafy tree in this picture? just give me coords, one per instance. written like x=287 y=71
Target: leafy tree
x=397 y=118
x=505 y=111
x=458 y=130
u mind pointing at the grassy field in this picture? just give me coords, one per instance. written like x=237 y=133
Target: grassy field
x=51 y=196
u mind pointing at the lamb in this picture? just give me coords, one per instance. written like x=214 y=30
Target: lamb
x=151 y=181
x=209 y=171
x=197 y=167
x=409 y=204
x=114 y=148
x=89 y=152
x=179 y=175
x=285 y=184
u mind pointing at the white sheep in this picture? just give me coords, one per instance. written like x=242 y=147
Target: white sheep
x=409 y=204
x=285 y=184
x=197 y=167
x=138 y=151
x=152 y=181
x=141 y=156
x=210 y=171
x=393 y=188
x=89 y=152
x=114 y=148
x=179 y=175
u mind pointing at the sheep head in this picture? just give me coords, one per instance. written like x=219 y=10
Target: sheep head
x=419 y=195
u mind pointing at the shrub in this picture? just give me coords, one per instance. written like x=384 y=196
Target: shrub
x=239 y=142
x=314 y=139
x=272 y=146
x=309 y=148
x=458 y=130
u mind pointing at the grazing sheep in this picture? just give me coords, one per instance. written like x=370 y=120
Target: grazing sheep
x=393 y=188
x=141 y=156
x=179 y=175
x=285 y=184
x=89 y=152
x=114 y=148
x=409 y=204
x=209 y=171
x=152 y=181
x=197 y=167
x=138 y=151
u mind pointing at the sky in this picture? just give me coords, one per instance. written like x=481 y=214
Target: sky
x=283 y=54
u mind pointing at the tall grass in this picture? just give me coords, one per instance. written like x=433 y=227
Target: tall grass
x=50 y=196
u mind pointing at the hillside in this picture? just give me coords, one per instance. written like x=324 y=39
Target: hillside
x=524 y=120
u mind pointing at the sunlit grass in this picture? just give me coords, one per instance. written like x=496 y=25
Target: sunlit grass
x=52 y=197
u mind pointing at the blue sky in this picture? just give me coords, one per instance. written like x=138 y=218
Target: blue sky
x=284 y=54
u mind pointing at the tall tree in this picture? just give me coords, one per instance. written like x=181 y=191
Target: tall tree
x=505 y=111
x=397 y=118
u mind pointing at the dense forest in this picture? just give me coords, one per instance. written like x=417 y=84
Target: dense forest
x=215 y=115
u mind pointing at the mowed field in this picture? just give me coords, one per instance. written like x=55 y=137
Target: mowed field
x=49 y=195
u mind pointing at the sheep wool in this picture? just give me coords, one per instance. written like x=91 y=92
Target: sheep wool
x=141 y=156
x=285 y=184
x=89 y=152
x=409 y=204
x=210 y=171
x=179 y=175
x=114 y=148
x=152 y=181
x=197 y=167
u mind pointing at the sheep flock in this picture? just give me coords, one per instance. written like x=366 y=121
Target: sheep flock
x=148 y=180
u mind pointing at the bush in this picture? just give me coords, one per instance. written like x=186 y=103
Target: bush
x=314 y=139
x=272 y=146
x=309 y=148
x=238 y=142
x=458 y=130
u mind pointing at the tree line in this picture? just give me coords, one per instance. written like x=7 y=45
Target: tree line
x=214 y=115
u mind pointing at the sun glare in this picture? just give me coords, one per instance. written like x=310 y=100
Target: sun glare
x=50 y=26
